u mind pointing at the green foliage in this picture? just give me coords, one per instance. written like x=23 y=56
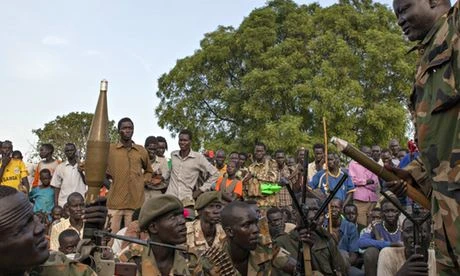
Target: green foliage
x=286 y=67
x=71 y=128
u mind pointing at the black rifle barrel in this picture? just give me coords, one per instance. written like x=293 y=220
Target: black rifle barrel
x=101 y=233
x=330 y=196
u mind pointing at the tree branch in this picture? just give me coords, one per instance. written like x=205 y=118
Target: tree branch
x=216 y=115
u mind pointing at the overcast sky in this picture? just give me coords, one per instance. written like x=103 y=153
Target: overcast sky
x=53 y=55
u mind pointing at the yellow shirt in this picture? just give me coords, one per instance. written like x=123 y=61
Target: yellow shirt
x=223 y=170
x=14 y=172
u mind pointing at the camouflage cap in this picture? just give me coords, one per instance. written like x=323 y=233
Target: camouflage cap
x=205 y=198
x=156 y=207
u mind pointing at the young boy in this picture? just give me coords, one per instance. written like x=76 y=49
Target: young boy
x=56 y=213
x=68 y=241
x=47 y=162
x=43 y=195
x=231 y=185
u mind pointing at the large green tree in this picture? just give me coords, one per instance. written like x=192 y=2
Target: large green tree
x=70 y=128
x=286 y=67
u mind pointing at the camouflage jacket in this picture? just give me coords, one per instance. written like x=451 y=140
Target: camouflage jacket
x=436 y=103
x=183 y=264
x=58 y=264
x=261 y=260
x=436 y=99
x=196 y=240
x=261 y=172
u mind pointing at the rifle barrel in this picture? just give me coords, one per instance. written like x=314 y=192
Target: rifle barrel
x=101 y=233
x=330 y=196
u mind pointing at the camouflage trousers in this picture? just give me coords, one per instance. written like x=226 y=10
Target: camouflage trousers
x=446 y=221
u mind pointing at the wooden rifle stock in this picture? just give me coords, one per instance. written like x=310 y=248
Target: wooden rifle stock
x=380 y=171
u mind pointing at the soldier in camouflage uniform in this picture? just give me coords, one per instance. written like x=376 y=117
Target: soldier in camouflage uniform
x=436 y=107
x=23 y=246
x=241 y=253
x=260 y=171
x=58 y=264
x=163 y=218
x=206 y=231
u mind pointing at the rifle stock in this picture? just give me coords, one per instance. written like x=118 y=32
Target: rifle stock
x=380 y=171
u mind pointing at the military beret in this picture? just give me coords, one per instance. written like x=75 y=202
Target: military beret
x=205 y=198
x=156 y=207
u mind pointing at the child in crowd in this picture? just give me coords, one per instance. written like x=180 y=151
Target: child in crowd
x=56 y=214
x=231 y=185
x=68 y=241
x=43 y=195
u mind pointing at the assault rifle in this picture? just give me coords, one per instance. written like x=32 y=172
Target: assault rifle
x=305 y=223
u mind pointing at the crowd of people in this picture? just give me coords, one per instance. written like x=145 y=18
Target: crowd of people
x=236 y=206
x=235 y=213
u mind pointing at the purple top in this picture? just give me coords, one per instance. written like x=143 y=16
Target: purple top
x=359 y=175
x=368 y=239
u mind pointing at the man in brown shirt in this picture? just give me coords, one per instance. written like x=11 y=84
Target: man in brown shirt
x=129 y=167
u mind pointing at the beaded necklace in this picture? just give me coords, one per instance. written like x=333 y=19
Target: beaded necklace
x=391 y=233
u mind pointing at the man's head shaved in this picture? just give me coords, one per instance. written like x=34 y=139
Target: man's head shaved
x=228 y=216
x=74 y=195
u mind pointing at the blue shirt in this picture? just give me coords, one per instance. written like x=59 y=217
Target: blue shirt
x=43 y=199
x=407 y=159
x=348 y=236
x=319 y=181
x=368 y=239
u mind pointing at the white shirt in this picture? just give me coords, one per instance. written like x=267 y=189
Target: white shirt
x=391 y=259
x=67 y=178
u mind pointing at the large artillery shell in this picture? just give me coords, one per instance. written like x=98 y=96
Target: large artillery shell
x=97 y=146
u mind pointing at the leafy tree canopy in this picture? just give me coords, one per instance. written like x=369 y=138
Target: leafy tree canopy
x=286 y=67
x=71 y=128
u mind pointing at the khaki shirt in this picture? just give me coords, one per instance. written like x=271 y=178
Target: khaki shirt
x=57 y=229
x=196 y=240
x=182 y=265
x=130 y=169
x=185 y=172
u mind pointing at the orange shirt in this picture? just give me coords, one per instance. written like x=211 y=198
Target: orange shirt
x=42 y=165
x=238 y=187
